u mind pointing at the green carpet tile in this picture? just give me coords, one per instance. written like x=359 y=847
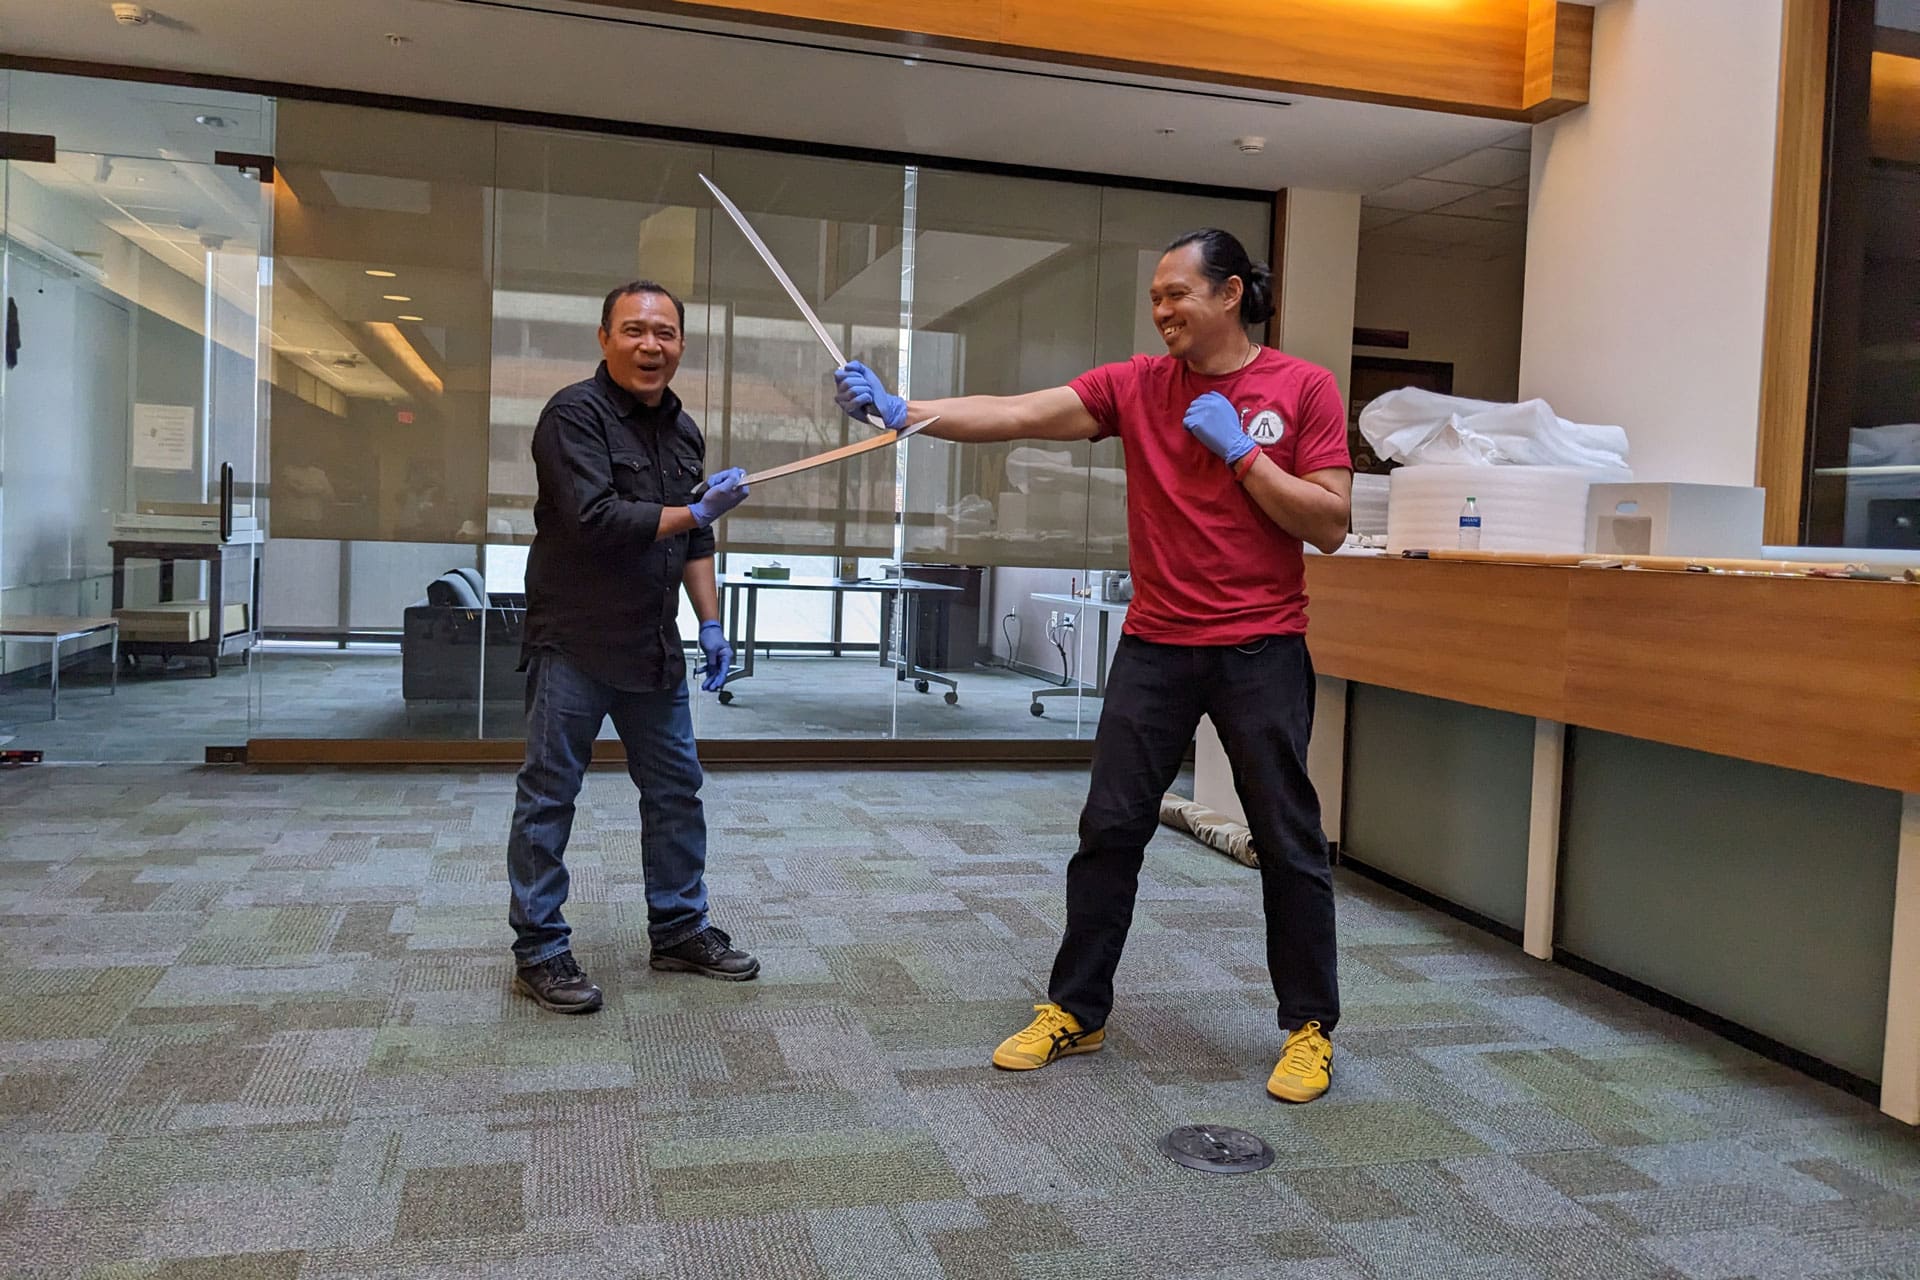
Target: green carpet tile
x=259 y=1024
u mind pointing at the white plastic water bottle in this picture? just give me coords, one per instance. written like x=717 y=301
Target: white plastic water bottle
x=1470 y=527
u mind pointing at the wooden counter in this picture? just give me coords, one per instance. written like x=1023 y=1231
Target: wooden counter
x=1817 y=675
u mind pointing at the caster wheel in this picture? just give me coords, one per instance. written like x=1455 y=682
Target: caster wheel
x=920 y=686
x=726 y=696
x=953 y=699
x=1037 y=709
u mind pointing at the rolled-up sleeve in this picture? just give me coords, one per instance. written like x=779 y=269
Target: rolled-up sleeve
x=571 y=460
x=701 y=543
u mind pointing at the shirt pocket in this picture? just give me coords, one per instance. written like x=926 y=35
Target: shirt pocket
x=634 y=477
x=684 y=468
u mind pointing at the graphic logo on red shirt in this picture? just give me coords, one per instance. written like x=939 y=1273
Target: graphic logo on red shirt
x=1267 y=427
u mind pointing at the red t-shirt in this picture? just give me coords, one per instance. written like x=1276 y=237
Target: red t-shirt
x=1209 y=567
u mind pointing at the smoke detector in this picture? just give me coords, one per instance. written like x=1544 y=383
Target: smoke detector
x=1250 y=145
x=129 y=15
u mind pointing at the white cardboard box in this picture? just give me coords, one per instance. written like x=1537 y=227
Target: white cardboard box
x=1676 y=520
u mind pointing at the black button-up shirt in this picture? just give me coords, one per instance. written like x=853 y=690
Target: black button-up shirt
x=603 y=588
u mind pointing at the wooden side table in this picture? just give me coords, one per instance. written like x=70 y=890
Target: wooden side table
x=217 y=644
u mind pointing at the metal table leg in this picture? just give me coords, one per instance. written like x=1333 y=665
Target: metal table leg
x=742 y=645
x=55 y=664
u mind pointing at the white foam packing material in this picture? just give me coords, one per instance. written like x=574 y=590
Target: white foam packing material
x=1521 y=508
x=1370 y=504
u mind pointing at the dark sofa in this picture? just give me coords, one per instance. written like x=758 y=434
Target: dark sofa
x=441 y=641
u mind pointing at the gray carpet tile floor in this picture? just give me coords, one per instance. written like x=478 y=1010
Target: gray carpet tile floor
x=173 y=712
x=260 y=1024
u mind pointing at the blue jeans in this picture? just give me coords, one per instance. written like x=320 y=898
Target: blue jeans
x=565 y=708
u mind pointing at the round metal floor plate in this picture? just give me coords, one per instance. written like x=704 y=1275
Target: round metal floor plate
x=1215 y=1149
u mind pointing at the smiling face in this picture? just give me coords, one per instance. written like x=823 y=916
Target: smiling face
x=642 y=344
x=1196 y=320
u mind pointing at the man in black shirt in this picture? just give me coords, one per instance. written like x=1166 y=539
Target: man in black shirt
x=617 y=534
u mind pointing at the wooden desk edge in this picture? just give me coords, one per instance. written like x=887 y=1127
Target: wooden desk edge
x=1405 y=638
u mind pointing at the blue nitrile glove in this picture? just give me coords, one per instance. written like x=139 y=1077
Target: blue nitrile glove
x=1215 y=423
x=713 y=643
x=725 y=491
x=858 y=388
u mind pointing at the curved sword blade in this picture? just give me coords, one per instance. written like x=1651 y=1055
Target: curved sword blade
x=786 y=282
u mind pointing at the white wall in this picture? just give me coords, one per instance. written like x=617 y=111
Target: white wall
x=1647 y=236
x=1317 y=285
x=1463 y=311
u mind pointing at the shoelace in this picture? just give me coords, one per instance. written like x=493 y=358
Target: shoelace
x=713 y=943
x=1303 y=1057
x=1047 y=1027
x=564 y=967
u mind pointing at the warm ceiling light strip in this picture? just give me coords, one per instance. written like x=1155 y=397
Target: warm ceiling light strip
x=393 y=340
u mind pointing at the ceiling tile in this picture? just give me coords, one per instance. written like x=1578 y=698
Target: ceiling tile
x=1418 y=194
x=1372 y=219
x=1485 y=168
x=1442 y=229
x=1500 y=205
x=1392 y=242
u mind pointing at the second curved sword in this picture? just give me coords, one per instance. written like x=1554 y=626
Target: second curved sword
x=779 y=273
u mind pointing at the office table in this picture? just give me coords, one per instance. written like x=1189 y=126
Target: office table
x=1098 y=689
x=738 y=590
x=56 y=632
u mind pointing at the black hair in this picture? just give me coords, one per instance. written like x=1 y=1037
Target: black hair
x=641 y=286
x=1223 y=256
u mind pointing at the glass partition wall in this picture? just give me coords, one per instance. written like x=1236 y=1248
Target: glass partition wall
x=423 y=284
x=138 y=279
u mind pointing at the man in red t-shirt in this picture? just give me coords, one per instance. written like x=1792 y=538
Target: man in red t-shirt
x=1236 y=455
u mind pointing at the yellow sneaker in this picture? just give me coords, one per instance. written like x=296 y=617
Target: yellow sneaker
x=1305 y=1068
x=1055 y=1033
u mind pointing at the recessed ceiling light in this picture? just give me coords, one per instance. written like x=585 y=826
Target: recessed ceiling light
x=414 y=319
x=396 y=297
x=382 y=275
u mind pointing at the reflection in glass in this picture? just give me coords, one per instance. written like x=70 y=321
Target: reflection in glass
x=1865 y=489
x=381 y=317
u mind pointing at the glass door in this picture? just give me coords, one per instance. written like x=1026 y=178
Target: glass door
x=132 y=515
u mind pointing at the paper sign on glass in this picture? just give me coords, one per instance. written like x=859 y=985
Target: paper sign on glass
x=163 y=436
